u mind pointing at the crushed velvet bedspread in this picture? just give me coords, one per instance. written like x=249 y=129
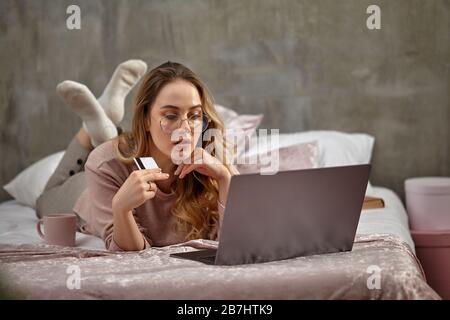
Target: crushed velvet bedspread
x=378 y=267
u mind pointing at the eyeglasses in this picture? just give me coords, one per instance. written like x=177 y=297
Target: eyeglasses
x=171 y=122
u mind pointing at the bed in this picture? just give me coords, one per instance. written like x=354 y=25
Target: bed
x=382 y=265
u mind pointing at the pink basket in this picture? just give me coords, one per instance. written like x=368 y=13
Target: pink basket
x=433 y=251
x=428 y=203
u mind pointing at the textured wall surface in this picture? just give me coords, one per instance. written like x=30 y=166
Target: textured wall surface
x=306 y=64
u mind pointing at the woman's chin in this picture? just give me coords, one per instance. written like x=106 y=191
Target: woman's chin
x=180 y=156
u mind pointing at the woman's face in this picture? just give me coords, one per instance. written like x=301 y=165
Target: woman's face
x=177 y=100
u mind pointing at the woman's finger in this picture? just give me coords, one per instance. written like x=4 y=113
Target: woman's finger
x=188 y=169
x=184 y=171
x=151 y=186
x=150 y=194
x=155 y=176
x=147 y=171
x=147 y=186
x=178 y=170
x=144 y=174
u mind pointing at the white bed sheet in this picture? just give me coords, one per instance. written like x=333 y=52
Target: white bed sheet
x=392 y=219
x=18 y=226
x=18 y=222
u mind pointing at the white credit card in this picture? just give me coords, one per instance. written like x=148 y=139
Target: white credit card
x=145 y=163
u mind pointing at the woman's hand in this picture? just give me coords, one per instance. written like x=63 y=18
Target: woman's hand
x=207 y=165
x=137 y=188
x=211 y=167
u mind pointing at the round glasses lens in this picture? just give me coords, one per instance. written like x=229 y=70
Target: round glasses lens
x=198 y=122
x=168 y=125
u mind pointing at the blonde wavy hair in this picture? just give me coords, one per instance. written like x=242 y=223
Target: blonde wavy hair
x=195 y=207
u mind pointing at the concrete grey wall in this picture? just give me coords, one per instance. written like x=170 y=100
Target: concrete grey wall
x=308 y=64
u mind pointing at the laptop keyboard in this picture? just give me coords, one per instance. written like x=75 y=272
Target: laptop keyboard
x=207 y=256
x=208 y=259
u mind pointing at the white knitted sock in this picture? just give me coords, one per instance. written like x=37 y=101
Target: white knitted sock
x=81 y=100
x=126 y=75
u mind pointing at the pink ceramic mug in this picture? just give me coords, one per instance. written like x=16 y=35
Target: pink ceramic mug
x=59 y=229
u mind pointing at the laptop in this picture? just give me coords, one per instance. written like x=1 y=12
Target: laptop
x=289 y=214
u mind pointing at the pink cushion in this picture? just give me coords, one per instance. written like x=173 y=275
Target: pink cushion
x=238 y=126
x=295 y=157
x=232 y=120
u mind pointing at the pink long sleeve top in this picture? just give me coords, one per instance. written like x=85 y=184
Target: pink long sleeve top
x=105 y=174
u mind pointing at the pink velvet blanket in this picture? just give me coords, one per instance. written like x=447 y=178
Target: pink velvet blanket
x=378 y=267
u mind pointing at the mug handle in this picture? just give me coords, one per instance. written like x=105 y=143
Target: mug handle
x=38 y=228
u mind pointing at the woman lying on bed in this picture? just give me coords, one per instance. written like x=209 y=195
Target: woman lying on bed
x=133 y=209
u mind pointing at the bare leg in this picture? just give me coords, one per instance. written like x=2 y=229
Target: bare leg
x=84 y=139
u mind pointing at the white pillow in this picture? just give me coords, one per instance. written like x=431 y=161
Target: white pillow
x=335 y=148
x=28 y=185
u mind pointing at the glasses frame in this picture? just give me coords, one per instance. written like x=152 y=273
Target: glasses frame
x=204 y=116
